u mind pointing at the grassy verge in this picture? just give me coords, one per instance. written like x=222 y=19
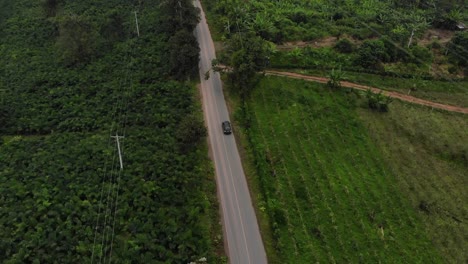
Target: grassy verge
x=328 y=193
x=258 y=200
x=428 y=153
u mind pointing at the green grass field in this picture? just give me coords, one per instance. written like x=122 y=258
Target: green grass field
x=325 y=184
x=428 y=152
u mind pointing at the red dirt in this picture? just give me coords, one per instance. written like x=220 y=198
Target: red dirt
x=396 y=95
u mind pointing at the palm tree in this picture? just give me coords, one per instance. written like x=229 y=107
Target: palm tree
x=335 y=78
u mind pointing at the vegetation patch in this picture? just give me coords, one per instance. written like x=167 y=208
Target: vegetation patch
x=326 y=186
x=427 y=151
x=73 y=75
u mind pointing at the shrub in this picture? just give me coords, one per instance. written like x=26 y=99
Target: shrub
x=50 y=7
x=418 y=55
x=457 y=49
x=344 y=46
x=377 y=101
x=452 y=69
x=78 y=39
x=371 y=54
x=434 y=45
x=190 y=132
x=183 y=54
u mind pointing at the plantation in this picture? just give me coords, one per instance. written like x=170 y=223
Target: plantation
x=427 y=151
x=73 y=74
x=326 y=186
x=404 y=38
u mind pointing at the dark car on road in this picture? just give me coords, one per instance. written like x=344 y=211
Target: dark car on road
x=226 y=127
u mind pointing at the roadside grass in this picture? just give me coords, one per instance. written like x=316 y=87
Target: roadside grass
x=427 y=151
x=446 y=92
x=329 y=195
x=246 y=154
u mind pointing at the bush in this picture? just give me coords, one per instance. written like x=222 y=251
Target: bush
x=457 y=49
x=78 y=39
x=183 y=54
x=371 y=54
x=190 y=132
x=418 y=55
x=434 y=45
x=377 y=101
x=344 y=46
x=452 y=69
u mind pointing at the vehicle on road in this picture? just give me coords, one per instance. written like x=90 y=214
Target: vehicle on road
x=226 y=127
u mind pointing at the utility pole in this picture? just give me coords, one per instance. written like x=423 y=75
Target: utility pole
x=117 y=137
x=136 y=20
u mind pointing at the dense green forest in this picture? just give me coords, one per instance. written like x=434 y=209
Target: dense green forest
x=73 y=74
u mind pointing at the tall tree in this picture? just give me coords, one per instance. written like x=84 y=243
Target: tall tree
x=248 y=55
x=179 y=14
x=50 y=7
x=78 y=39
x=184 y=54
x=457 y=49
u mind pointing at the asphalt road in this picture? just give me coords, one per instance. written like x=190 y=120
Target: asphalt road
x=242 y=236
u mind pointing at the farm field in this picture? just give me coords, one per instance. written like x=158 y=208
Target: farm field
x=72 y=75
x=427 y=151
x=327 y=187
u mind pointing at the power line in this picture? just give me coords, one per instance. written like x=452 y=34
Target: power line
x=117 y=137
x=114 y=179
x=136 y=22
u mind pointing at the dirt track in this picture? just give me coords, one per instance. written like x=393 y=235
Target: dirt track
x=402 y=97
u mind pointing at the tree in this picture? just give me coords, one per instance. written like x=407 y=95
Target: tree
x=296 y=55
x=344 y=46
x=335 y=78
x=263 y=26
x=190 y=132
x=78 y=39
x=50 y=7
x=184 y=54
x=113 y=29
x=417 y=23
x=371 y=54
x=377 y=101
x=457 y=49
x=179 y=14
x=248 y=54
x=418 y=55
